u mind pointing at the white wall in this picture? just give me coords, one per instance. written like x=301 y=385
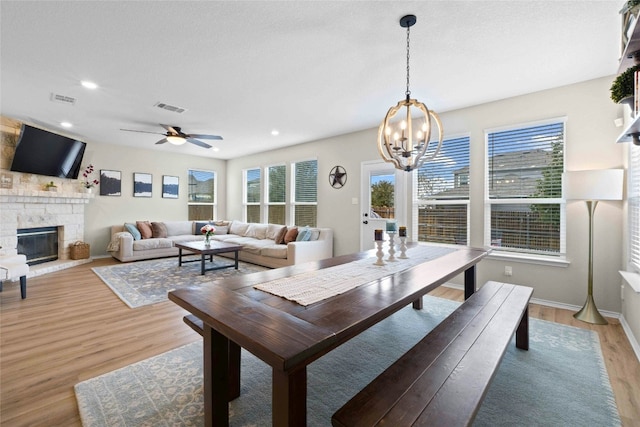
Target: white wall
x=104 y=211
x=591 y=144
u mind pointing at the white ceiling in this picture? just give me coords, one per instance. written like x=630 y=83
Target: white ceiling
x=311 y=69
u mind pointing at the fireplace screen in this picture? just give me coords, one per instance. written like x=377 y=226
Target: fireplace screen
x=38 y=244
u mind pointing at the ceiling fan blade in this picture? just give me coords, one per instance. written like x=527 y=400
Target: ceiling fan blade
x=162 y=141
x=199 y=143
x=142 y=131
x=171 y=129
x=194 y=135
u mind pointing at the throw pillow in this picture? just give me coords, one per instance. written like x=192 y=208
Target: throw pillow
x=221 y=229
x=238 y=228
x=279 y=239
x=145 y=229
x=257 y=231
x=158 y=229
x=307 y=236
x=273 y=230
x=131 y=228
x=292 y=234
x=302 y=234
x=198 y=226
x=315 y=234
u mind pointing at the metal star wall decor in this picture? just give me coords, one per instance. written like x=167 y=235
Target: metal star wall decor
x=338 y=177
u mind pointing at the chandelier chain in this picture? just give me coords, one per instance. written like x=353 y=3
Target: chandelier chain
x=408 y=92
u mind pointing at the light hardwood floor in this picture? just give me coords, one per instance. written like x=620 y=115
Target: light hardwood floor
x=72 y=327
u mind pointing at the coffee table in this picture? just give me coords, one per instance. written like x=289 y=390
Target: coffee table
x=203 y=250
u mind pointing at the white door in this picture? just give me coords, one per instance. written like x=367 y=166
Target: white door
x=388 y=187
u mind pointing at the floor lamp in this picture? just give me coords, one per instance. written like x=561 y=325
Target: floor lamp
x=592 y=186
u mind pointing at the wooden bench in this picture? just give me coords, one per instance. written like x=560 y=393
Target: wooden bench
x=194 y=323
x=443 y=379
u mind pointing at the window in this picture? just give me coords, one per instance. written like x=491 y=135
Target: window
x=276 y=194
x=252 y=195
x=305 y=193
x=202 y=194
x=524 y=210
x=634 y=207
x=441 y=195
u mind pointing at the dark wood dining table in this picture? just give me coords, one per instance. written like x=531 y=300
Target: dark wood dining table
x=288 y=336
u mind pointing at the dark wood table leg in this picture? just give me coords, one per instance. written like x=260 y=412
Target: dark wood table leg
x=234 y=370
x=469 y=281
x=202 y=260
x=236 y=258
x=179 y=257
x=289 y=398
x=522 y=333
x=418 y=304
x=216 y=378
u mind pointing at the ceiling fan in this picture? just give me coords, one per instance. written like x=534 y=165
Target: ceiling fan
x=175 y=136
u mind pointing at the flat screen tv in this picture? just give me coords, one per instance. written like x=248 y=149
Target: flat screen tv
x=45 y=153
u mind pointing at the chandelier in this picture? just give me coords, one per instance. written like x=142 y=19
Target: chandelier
x=404 y=141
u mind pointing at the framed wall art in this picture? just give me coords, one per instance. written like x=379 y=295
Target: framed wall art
x=110 y=183
x=6 y=180
x=169 y=187
x=142 y=184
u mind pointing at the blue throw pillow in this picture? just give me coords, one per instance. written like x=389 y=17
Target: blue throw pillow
x=131 y=228
x=199 y=225
x=304 y=234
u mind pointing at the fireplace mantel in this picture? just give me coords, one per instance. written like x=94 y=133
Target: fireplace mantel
x=40 y=196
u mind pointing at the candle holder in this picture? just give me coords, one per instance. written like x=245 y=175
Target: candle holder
x=403 y=247
x=392 y=249
x=379 y=253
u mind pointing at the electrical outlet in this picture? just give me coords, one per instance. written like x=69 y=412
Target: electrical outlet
x=508 y=271
x=622 y=292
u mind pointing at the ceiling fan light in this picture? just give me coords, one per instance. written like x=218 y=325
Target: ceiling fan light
x=176 y=140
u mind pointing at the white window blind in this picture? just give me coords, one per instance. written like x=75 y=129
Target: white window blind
x=201 y=194
x=305 y=193
x=277 y=191
x=441 y=195
x=252 y=195
x=634 y=207
x=524 y=207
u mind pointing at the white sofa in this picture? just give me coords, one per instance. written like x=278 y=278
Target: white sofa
x=258 y=241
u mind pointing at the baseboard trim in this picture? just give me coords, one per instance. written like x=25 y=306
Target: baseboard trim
x=632 y=339
x=548 y=303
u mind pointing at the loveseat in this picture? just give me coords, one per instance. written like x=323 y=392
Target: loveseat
x=269 y=245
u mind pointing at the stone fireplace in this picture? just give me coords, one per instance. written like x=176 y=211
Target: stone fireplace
x=24 y=209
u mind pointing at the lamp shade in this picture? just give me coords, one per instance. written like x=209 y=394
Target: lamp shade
x=603 y=184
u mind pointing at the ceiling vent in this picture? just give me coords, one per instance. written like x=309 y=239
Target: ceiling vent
x=63 y=99
x=171 y=108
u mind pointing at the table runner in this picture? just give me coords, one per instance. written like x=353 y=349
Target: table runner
x=310 y=287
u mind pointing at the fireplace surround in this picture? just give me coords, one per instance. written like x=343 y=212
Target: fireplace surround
x=22 y=209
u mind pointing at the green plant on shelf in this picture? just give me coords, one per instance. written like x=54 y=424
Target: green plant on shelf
x=623 y=86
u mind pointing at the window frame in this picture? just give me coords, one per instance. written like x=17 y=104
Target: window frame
x=245 y=193
x=500 y=251
x=292 y=186
x=417 y=203
x=266 y=195
x=213 y=203
x=633 y=209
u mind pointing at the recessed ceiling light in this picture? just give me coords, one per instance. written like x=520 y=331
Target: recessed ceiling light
x=216 y=149
x=275 y=132
x=66 y=124
x=88 y=84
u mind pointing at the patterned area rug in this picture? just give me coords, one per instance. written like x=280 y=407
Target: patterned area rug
x=560 y=381
x=148 y=282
